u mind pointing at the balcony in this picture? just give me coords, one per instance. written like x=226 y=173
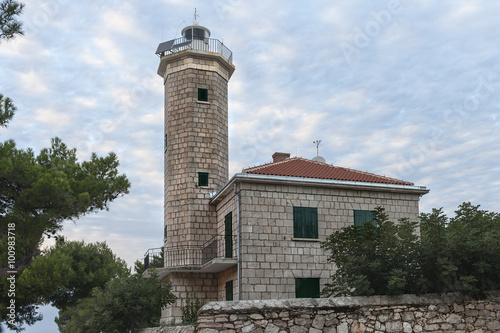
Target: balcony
x=205 y=45
x=216 y=255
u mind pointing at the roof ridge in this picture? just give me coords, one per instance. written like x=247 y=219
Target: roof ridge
x=361 y=175
x=372 y=174
x=265 y=165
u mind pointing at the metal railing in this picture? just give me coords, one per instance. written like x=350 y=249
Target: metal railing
x=154 y=258
x=219 y=246
x=204 y=44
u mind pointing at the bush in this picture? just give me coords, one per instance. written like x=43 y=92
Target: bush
x=459 y=254
x=190 y=311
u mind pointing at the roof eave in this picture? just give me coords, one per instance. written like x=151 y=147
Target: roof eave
x=300 y=181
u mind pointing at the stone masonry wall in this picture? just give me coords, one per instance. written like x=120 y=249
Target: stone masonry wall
x=189 y=286
x=407 y=313
x=272 y=258
x=197 y=141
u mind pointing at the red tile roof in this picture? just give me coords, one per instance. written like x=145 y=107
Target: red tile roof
x=301 y=167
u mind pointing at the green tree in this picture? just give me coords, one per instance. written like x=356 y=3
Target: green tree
x=76 y=319
x=63 y=275
x=9 y=25
x=125 y=304
x=461 y=253
x=375 y=258
x=437 y=267
x=7 y=110
x=458 y=254
x=38 y=193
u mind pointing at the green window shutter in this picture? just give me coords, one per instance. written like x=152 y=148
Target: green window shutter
x=203 y=94
x=307 y=288
x=363 y=216
x=228 y=235
x=229 y=290
x=165 y=231
x=305 y=222
x=202 y=179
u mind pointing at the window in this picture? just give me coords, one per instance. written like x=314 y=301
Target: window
x=307 y=288
x=228 y=235
x=165 y=142
x=229 y=290
x=165 y=231
x=203 y=94
x=305 y=222
x=202 y=179
x=363 y=216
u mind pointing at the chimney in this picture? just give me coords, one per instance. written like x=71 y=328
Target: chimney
x=278 y=157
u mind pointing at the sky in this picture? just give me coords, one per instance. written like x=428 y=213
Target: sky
x=406 y=89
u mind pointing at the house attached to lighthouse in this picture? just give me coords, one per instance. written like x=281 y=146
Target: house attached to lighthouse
x=257 y=234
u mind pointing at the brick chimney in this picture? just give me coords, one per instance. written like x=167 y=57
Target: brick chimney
x=278 y=157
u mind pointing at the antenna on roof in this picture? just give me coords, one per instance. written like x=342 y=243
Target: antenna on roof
x=317 y=142
x=195 y=16
x=318 y=158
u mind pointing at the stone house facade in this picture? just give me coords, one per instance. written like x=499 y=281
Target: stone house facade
x=256 y=235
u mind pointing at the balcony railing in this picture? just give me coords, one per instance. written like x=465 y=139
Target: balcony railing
x=219 y=246
x=204 y=44
x=154 y=258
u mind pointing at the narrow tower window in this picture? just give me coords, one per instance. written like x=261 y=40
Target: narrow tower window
x=203 y=94
x=202 y=179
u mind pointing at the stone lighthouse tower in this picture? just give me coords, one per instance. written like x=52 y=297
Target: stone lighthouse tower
x=195 y=70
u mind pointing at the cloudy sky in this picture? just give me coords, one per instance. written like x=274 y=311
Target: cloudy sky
x=407 y=89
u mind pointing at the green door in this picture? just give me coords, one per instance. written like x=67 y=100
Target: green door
x=228 y=235
x=229 y=290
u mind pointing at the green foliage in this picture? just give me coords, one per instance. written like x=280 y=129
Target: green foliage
x=75 y=318
x=38 y=193
x=373 y=259
x=126 y=303
x=9 y=25
x=190 y=311
x=156 y=260
x=457 y=254
x=139 y=267
x=7 y=110
x=66 y=273
x=461 y=253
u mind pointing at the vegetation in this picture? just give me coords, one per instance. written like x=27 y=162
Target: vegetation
x=61 y=276
x=461 y=253
x=123 y=305
x=452 y=254
x=9 y=25
x=373 y=259
x=190 y=311
x=37 y=194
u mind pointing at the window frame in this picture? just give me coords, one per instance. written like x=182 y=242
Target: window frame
x=303 y=288
x=229 y=290
x=202 y=94
x=302 y=218
x=361 y=217
x=228 y=235
x=203 y=179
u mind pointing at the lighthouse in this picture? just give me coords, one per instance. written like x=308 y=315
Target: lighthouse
x=195 y=69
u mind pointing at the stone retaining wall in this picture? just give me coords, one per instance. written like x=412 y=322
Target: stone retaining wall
x=168 y=329
x=407 y=313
